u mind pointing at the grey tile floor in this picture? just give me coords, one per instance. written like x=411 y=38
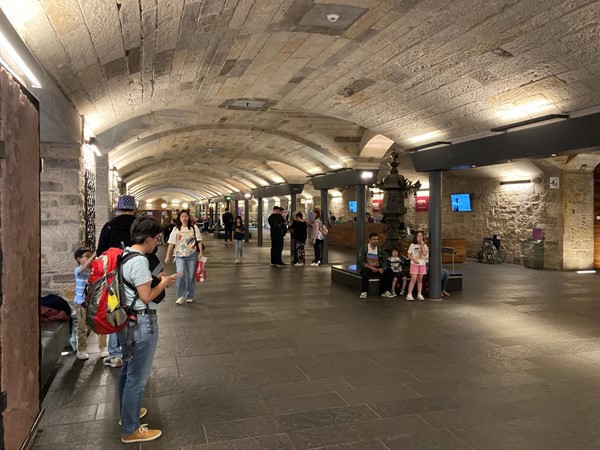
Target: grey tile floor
x=278 y=358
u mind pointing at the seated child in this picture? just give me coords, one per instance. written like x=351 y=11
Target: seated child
x=396 y=265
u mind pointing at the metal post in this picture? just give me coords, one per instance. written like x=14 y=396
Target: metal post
x=325 y=219
x=361 y=211
x=247 y=220
x=435 y=234
x=292 y=210
x=259 y=222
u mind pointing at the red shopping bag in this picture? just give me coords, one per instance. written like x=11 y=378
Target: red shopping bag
x=200 y=271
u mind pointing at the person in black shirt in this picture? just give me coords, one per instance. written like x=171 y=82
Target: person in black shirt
x=228 y=223
x=278 y=230
x=299 y=230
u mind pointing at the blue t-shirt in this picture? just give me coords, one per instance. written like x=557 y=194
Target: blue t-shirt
x=81 y=279
x=137 y=272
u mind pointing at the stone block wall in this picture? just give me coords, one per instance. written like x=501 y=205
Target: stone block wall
x=20 y=244
x=62 y=200
x=578 y=213
x=565 y=215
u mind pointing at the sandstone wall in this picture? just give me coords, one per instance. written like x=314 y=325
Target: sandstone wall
x=20 y=244
x=62 y=195
x=578 y=213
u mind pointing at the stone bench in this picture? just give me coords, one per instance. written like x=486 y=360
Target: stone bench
x=55 y=337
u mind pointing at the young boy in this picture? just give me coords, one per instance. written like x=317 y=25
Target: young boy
x=84 y=258
x=396 y=265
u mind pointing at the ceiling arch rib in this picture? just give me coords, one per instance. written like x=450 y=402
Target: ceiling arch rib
x=213 y=185
x=246 y=180
x=319 y=155
x=166 y=191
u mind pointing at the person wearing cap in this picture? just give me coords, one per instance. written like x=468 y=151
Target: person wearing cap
x=117 y=233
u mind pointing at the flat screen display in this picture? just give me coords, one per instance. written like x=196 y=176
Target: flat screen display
x=352 y=206
x=461 y=202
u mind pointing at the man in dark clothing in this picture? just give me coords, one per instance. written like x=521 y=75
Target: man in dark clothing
x=116 y=233
x=228 y=223
x=278 y=230
x=373 y=262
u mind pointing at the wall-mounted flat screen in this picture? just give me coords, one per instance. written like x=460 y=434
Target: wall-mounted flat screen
x=352 y=206
x=461 y=202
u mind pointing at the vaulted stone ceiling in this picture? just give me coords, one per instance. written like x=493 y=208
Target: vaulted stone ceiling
x=213 y=96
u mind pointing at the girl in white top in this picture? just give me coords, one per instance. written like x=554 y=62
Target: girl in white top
x=418 y=254
x=186 y=240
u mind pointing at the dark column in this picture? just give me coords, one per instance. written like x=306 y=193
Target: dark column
x=259 y=224
x=235 y=207
x=361 y=210
x=247 y=219
x=325 y=219
x=435 y=234
x=217 y=219
x=292 y=210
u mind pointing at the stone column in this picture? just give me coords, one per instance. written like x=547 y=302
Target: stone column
x=247 y=219
x=103 y=195
x=578 y=216
x=361 y=207
x=62 y=230
x=325 y=219
x=435 y=234
x=259 y=222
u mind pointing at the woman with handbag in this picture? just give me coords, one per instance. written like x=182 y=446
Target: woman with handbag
x=186 y=241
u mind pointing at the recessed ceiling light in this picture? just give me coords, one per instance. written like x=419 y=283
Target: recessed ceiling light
x=473 y=165
x=553 y=155
x=333 y=17
x=509 y=160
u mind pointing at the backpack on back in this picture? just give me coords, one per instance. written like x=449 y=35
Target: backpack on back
x=104 y=293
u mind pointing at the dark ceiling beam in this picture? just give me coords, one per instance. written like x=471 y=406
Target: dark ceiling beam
x=540 y=141
x=343 y=178
x=278 y=190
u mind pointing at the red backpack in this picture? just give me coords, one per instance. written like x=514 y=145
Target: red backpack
x=104 y=292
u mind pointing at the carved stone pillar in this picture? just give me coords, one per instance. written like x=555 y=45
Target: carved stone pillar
x=396 y=188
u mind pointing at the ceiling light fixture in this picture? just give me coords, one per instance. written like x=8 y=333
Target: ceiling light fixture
x=504 y=183
x=530 y=122
x=366 y=175
x=333 y=17
x=585 y=271
x=14 y=55
x=92 y=145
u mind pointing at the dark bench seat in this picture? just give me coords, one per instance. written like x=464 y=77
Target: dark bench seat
x=347 y=275
x=54 y=338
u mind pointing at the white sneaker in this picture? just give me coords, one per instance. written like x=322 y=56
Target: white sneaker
x=115 y=361
x=420 y=297
x=190 y=300
x=180 y=300
x=387 y=294
x=237 y=260
x=83 y=356
x=314 y=264
x=363 y=295
x=410 y=298
x=103 y=352
x=392 y=294
x=299 y=264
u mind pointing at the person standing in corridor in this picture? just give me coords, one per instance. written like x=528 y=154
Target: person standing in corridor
x=228 y=224
x=278 y=230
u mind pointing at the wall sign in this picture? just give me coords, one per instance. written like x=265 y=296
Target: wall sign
x=377 y=204
x=554 y=182
x=422 y=204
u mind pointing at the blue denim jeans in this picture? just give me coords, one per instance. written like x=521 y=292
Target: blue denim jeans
x=186 y=283
x=113 y=346
x=238 y=248
x=136 y=371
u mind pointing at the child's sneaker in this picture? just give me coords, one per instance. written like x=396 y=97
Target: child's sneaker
x=410 y=298
x=190 y=300
x=180 y=300
x=115 y=362
x=402 y=293
x=82 y=356
x=363 y=295
x=387 y=294
x=420 y=297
